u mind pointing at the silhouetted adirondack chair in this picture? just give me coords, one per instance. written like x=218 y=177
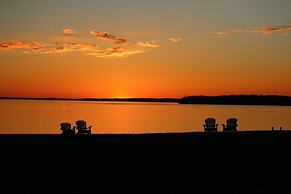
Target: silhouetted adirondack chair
x=66 y=128
x=210 y=125
x=231 y=125
x=82 y=127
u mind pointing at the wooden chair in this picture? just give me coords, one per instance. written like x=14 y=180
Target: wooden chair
x=66 y=129
x=82 y=128
x=210 y=125
x=231 y=125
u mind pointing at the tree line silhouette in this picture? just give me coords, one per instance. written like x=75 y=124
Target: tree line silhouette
x=238 y=100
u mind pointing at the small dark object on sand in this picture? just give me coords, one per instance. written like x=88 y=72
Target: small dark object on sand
x=210 y=125
x=231 y=125
x=67 y=129
x=82 y=128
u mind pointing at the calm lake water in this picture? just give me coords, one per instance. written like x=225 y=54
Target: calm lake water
x=44 y=117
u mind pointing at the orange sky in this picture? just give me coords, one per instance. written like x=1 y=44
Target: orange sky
x=120 y=50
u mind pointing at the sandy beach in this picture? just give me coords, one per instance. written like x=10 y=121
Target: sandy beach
x=243 y=162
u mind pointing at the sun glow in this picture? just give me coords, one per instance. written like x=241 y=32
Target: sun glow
x=121 y=96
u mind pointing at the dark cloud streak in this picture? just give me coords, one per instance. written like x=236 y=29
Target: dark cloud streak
x=263 y=31
x=107 y=36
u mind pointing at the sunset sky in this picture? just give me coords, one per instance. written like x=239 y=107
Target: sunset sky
x=138 y=48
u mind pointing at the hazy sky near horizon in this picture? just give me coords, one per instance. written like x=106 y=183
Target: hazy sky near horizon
x=136 y=48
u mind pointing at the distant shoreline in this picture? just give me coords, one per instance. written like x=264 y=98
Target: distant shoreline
x=173 y=100
x=255 y=100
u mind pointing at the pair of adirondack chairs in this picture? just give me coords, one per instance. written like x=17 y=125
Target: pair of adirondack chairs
x=211 y=126
x=81 y=126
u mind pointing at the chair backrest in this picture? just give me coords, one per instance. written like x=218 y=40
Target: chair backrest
x=81 y=124
x=210 y=122
x=66 y=126
x=231 y=123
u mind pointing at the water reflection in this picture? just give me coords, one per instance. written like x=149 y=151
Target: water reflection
x=18 y=116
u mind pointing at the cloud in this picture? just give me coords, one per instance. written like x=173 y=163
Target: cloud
x=262 y=31
x=116 y=52
x=69 y=32
x=265 y=31
x=121 y=51
x=70 y=47
x=107 y=36
x=4 y=46
x=268 y=31
x=59 y=48
x=149 y=44
x=35 y=47
x=175 y=40
x=68 y=43
x=219 y=33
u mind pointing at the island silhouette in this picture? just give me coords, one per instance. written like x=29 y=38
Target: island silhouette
x=239 y=100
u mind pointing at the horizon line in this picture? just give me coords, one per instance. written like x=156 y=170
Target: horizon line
x=125 y=98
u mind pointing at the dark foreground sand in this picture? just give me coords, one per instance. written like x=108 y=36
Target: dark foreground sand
x=245 y=162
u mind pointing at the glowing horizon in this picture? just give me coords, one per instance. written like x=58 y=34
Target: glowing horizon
x=137 y=49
